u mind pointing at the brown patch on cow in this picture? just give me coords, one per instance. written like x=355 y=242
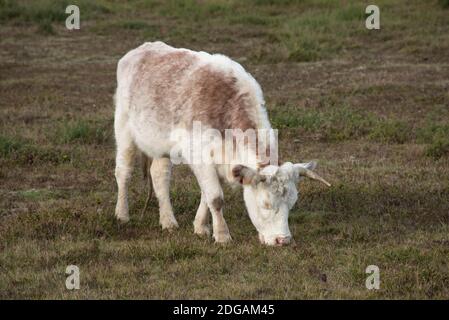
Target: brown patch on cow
x=217 y=203
x=218 y=102
x=157 y=82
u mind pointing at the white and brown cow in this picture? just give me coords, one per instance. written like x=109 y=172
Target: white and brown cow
x=161 y=89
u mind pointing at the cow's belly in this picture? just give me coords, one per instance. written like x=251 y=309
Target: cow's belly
x=154 y=138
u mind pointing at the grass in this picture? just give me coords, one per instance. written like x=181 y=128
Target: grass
x=308 y=37
x=438 y=148
x=38 y=194
x=370 y=106
x=444 y=3
x=46 y=27
x=390 y=131
x=9 y=146
x=341 y=123
x=437 y=138
x=19 y=151
x=134 y=25
x=83 y=132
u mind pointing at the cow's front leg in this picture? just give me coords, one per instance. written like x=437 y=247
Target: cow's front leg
x=160 y=173
x=201 y=224
x=123 y=169
x=210 y=185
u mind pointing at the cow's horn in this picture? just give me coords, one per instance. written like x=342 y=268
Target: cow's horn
x=312 y=175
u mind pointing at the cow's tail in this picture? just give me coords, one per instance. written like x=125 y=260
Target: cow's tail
x=145 y=163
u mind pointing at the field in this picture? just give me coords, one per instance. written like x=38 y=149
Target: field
x=371 y=106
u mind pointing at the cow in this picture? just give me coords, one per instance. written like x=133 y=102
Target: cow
x=161 y=89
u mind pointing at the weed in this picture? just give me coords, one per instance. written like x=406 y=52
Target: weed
x=438 y=148
x=23 y=152
x=444 y=3
x=83 y=132
x=390 y=131
x=334 y=124
x=46 y=27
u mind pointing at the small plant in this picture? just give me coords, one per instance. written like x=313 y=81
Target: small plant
x=9 y=9
x=24 y=152
x=9 y=145
x=432 y=131
x=350 y=13
x=335 y=124
x=83 y=132
x=39 y=194
x=345 y=123
x=134 y=25
x=46 y=27
x=305 y=53
x=390 y=131
x=438 y=148
x=444 y=4
x=437 y=138
x=250 y=20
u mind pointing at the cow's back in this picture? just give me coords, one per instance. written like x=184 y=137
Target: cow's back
x=164 y=88
x=152 y=76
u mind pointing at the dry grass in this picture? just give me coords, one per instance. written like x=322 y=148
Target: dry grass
x=371 y=106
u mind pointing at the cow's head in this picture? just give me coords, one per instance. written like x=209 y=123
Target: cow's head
x=270 y=194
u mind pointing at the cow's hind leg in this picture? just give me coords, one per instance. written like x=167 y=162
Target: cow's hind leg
x=123 y=168
x=160 y=173
x=201 y=224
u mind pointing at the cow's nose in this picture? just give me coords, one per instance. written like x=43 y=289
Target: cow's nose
x=282 y=241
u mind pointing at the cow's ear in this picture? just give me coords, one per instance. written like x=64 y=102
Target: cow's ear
x=244 y=175
x=308 y=165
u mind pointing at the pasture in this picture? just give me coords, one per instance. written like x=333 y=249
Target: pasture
x=371 y=106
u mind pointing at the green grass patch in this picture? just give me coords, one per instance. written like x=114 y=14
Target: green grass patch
x=39 y=194
x=10 y=145
x=390 y=131
x=444 y=3
x=333 y=124
x=344 y=123
x=351 y=13
x=24 y=152
x=438 y=148
x=134 y=25
x=433 y=131
x=46 y=27
x=436 y=136
x=310 y=35
x=250 y=20
x=192 y=10
x=85 y=132
x=144 y=28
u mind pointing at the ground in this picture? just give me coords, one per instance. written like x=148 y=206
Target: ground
x=371 y=106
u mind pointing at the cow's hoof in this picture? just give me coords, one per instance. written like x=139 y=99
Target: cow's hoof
x=222 y=238
x=202 y=230
x=169 y=225
x=122 y=217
